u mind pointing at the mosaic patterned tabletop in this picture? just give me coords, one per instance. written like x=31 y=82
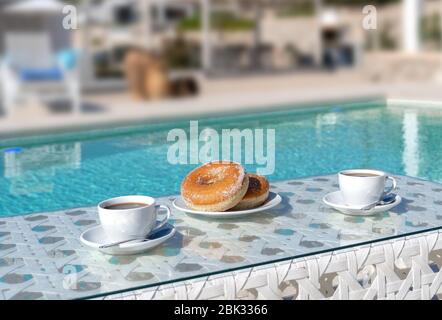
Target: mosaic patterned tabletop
x=41 y=256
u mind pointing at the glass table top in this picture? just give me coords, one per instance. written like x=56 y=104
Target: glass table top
x=41 y=256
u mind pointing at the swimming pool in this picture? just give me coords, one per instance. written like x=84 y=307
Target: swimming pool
x=78 y=169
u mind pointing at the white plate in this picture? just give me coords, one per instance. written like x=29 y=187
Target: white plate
x=335 y=200
x=95 y=237
x=272 y=201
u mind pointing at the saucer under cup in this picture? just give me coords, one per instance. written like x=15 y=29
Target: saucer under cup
x=364 y=187
x=95 y=238
x=336 y=201
x=131 y=223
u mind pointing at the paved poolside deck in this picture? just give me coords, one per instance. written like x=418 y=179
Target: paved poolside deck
x=218 y=96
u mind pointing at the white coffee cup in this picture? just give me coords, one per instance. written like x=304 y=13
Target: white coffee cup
x=364 y=187
x=121 y=224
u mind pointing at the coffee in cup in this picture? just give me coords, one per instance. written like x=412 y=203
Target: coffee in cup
x=130 y=217
x=127 y=205
x=364 y=187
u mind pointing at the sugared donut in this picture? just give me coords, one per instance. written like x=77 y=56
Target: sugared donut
x=257 y=193
x=215 y=186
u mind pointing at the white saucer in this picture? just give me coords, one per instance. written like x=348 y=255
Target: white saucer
x=272 y=201
x=95 y=237
x=335 y=200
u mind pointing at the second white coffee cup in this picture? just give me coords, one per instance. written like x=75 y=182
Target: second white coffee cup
x=130 y=217
x=363 y=187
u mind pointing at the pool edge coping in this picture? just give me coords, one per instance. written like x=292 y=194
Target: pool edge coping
x=225 y=109
x=10 y=138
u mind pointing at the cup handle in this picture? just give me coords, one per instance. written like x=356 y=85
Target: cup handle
x=162 y=223
x=393 y=187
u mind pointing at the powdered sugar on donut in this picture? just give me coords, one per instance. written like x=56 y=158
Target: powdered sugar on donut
x=212 y=183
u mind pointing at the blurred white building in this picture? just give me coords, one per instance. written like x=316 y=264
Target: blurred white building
x=111 y=26
x=52 y=24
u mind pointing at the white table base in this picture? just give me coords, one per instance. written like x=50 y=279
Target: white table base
x=399 y=269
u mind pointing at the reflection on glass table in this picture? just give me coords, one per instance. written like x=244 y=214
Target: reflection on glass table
x=300 y=227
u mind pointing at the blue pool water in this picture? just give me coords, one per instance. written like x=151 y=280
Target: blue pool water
x=84 y=168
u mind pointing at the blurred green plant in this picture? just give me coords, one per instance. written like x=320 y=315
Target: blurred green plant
x=74 y=2
x=181 y=54
x=386 y=40
x=361 y=2
x=307 y=7
x=297 y=9
x=223 y=21
x=430 y=30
